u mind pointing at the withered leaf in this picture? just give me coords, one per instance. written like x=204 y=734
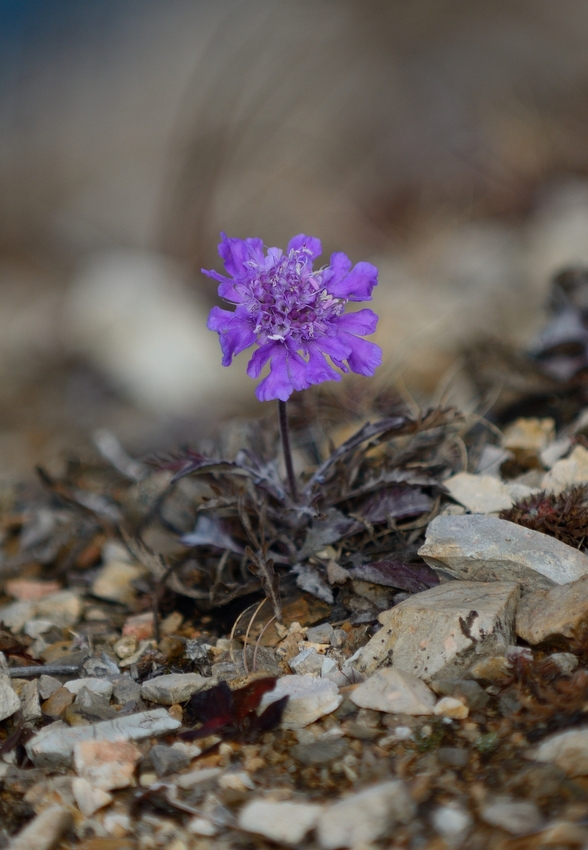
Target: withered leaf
x=393 y=572
x=395 y=503
x=330 y=528
x=209 y=532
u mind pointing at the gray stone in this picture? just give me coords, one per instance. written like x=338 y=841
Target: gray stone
x=166 y=760
x=53 y=746
x=281 y=822
x=63 y=608
x=308 y=661
x=94 y=706
x=453 y=756
x=568 y=750
x=484 y=548
x=16 y=614
x=125 y=689
x=474 y=695
x=480 y=494
x=452 y=822
x=516 y=817
x=320 y=634
x=9 y=701
x=394 y=691
x=29 y=702
x=365 y=817
x=309 y=699
x=557 y=612
x=173 y=687
x=48 y=685
x=319 y=752
x=99 y=666
x=440 y=632
x=98 y=686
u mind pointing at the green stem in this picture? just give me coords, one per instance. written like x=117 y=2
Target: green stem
x=285 y=435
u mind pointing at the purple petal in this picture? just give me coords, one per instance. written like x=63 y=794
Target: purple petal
x=235 y=332
x=361 y=323
x=260 y=358
x=335 y=347
x=357 y=285
x=287 y=373
x=365 y=356
x=317 y=368
x=236 y=252
x=311 y=243
x=216 y=275
x=338 y=269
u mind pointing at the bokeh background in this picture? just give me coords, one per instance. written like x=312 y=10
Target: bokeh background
x=445 y=140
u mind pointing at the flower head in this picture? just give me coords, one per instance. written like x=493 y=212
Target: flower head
x=295 y=314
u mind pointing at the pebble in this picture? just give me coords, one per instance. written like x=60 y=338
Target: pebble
x=48 y=685
x=557 y=612
x=93 y=706
x=45 y=830
x=452 y=822
x=529 y=435
x=480 y=494
x=320 y=634
x=515 y=817
x=440 y=632
x=451 y=707
x=57 y=703
x=319 y=752
x=484 y=548
x=63 y=608
x=395 y=692
x=453 y=756
x=167 y=760
x=99 y=666
x=309 y=699
x=89 y=798
x=567 y=472
x=102 y=687
x=125 y=689
x=106 y=764
x=201 y=826
x=470 y=692
x=568 y=750
x=202 y=777
x=140 y=626
x=282 y=822
x=15 y=615
x=29 y=590
x=53 y=746
x=9 y=701
x=362 y=818
x=308 y=661
x=30 y=705
x=114 y=581
x=172 y=688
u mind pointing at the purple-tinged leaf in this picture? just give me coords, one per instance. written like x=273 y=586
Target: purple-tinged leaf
x=330 y=528
x=396 y=503
x=209 y=532
x=393 y=572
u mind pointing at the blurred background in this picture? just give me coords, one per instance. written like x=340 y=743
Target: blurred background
x=444 y=140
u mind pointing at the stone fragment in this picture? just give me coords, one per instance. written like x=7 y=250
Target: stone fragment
x=529 y=436
x=515 y=817
x=480 y=494
x=320 y=634
x=494 y=668
x=394 y=691
x=282 y=822
x=94 y=706
x=451 y=707
x=16 y=614
x=201 y=778
x=319 y=752
x=99 y=666
x=309 y=699
x=554 y=613
x=9 y=701
x=452 y=756
x=568 y=750
x=57 y=703
x=29 y=590
x=167 y=760
x=440 y=632
x=89 y=798
x=45 y=830
x=114 y=581
x=236 y=780
x=140 y=626
x=29 y=702
x=452 y=822
x=467 y=690
x=102 y=687
x=63 y=608
x=106 y=764
x=308 y=661
x=53 y=745
x=48 y=685
x=567 y=472
x=125 y=689
x=485 y=548
x=362 y=818
x=172 y=687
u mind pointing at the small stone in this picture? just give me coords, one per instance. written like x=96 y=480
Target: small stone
x=125 y=647
x=102 y=687
x=100 y=666
x=125 y=689
x=236 y=780
x=94 y=706
x=201 y=826
x=467 y=690
x=320 y=634
x=167 y=760
x=363 y=818
x=57 y=703
x=395 y=692
x=480 y=494
x=308 y=661
x=568 y=750
x=201 y=778
x=64 y=608
x=35 y=628
x=282 y=822
x=451 y=707
x=319 y=752
x=29 y=590
x=568 y=472
x=494 y=668
x=453 y=756
x=45 y=830
x=555 y=613
x=309 y=699
x=53 y=745
x=514 y=817
x=29 y=699
x=9 y=701
x=452 y=822
x=114 y=581
x=106 y=764
x=48 y=685
x=16 y=615
x=172 y=687
x=529 y=436
x=140 y=626
x=89 y=798
x=485 y=548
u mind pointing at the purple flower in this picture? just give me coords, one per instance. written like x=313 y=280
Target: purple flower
x=295 y=314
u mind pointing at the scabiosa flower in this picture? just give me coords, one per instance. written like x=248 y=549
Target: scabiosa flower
x=294 y=314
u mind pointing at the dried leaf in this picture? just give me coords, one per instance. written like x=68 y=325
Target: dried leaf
x=393 y=572
x=209 y=532
x=263 y=568
x=330 y=528
x=395 y=503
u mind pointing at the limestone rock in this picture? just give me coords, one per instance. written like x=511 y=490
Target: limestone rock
x=89 y=798
x=480 y=494
x=114 y=581
x=568 y=750
x=440 y=632
x=63 y=608
x=309 y=699
x=515 y=816
x=106 y=764
x=556 y=612
x=451 y=707
x=172 y=687
x=282 y=822
x=360 y=819
x=484 y=548
x=567 y=472
x=394 y=691
x=9 y=701
x=45 y=830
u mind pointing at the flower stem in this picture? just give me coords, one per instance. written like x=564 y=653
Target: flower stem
x=285 y=435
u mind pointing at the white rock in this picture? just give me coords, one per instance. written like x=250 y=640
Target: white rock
x=480 y=494
x=451 y=707
x=309 y=699
x=9 y=701
x=88 y=798
x=484 y=548
x=15 y=615
x=567 y=472
x=45 y=830
x=516 y=817
x=282 y=822
x=395 y=692
x=236 y=780
x=172 y=687
x=106 y=764
x=568 y=750
x=308 y=661
x=63 y=608
x=113 y=581
x=554 y=613
x=102 y=687
x=452 y=822
x=202 y=776
x=201 y=826
x=30 y=705
x=365 y=817
x=53 y=746
x=440 y=632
